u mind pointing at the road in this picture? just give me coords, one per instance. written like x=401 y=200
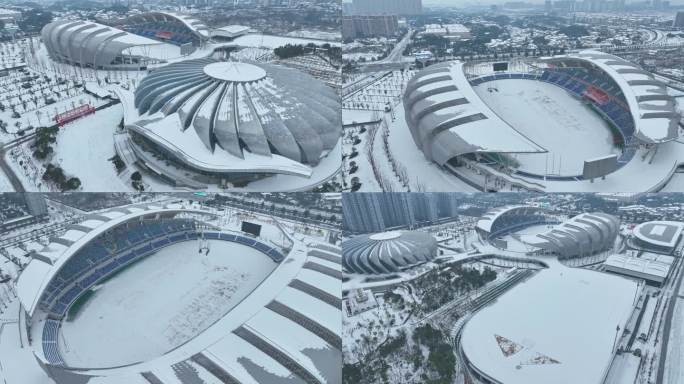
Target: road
x=393 y=61
x=6 y=169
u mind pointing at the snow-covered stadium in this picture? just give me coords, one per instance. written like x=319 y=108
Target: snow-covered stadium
x=582 y=235
x=144 y=40
x=583 y=121
x=175 y=28
x=206 y=121
x=657 y=236
x=502 y=343
x=125 y=296
x=387 y=252
x=540 y=331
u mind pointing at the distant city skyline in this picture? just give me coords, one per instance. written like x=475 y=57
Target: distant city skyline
x=429 y=3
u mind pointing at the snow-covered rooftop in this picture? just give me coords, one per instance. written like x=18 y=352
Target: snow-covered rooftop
x=195 y=25
x=488 y=218
x=538 y=332
x=649 y=265
x=48 y=261
x=654 y=110
x=660 y=233
x=245 y=118
x=287 y=328
x=447 y=118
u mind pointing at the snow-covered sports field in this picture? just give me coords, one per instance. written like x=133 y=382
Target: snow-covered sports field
x=556 y=327
x=161 y=302
x=516 y=241
x=552 y=118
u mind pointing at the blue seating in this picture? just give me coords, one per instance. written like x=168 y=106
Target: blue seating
x=49 y=342
x=137 y=240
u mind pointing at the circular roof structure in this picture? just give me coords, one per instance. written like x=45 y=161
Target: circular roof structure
x=221 y=117
x=387 y=252
x=385 y=235
x=235 y=72
x=659 y=233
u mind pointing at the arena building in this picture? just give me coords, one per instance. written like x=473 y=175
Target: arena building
x=387 y=252
x=206 y=121
x=582 y=235
x=538 y=332
x=270 y=311
x=657 y=236
x=457 y=115
x=503 y=220
x=93 y=45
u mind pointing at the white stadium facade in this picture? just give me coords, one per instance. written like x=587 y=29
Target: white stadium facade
x=582 y=235
x=146 y=39
x=455 y=124
x=387 y=252
x=286 y=329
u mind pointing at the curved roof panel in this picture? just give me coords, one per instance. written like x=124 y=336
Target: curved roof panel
x=447 y=118
x=583 y=234
x=488 y=219
x=193 y=24
x=653 y=109
x=92 y=44
x=47 y=262
x=220 y=116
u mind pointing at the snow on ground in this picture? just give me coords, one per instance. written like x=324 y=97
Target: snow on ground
x=5 y=184
x=84 y=148
x=625 y=368
x=313 y=34
x=269 y=41
x=552 y=118
x=17 y=363
x=673 y=372
x=359 y=116
x=516 y=241
x=553 y=316
x=162 y=302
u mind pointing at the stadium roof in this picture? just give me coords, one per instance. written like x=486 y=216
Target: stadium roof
x=221 y=116
x=195 y=25
x=538 y=332
x=92 y=44
x=653 y=109
x=660 y=233
x=47 y=262
x=447 y=118
x=488 y=218
x=287 y=329
x=582 y=234
x=388 y=252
